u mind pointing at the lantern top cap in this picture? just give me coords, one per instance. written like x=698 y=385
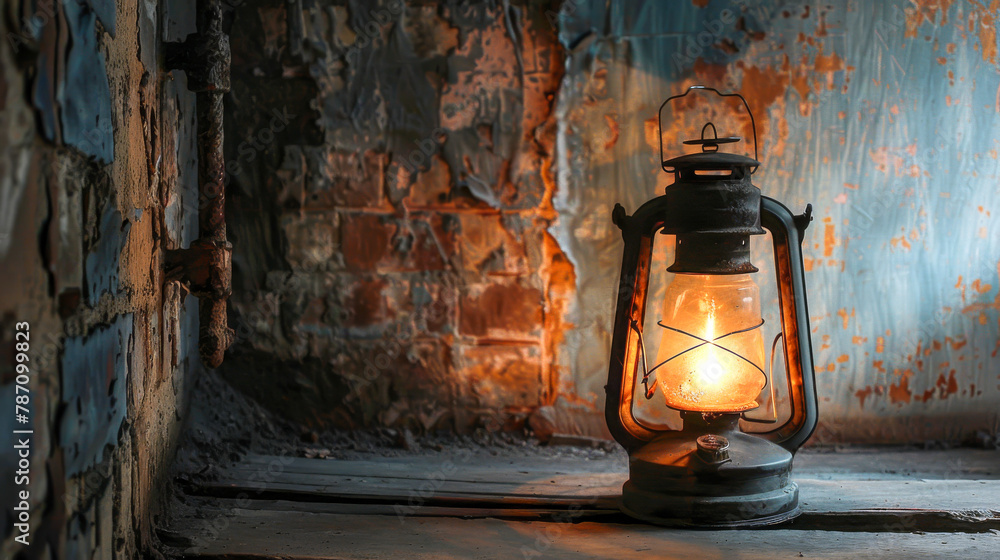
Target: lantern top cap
x=709 y=160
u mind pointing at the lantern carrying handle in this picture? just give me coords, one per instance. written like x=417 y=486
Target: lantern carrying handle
x=659 y=120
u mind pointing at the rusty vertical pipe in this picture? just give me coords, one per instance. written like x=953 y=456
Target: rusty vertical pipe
x=214 y=334
x=206 y=267
x=211 y=167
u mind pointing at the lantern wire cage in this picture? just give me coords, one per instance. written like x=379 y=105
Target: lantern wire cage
x=649 y=390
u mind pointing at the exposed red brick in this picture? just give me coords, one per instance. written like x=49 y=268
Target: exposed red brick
x=386 y=244
x=424 y=307
x=414 y=253
x=366 y=240
x=503 y=310
x=367 y=304
x=427 y=188
x=495 y=377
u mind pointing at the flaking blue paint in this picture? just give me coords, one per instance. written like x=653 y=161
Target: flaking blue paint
x=84 y=95
x=95 y=371
x=105 y=11
x=101 y=267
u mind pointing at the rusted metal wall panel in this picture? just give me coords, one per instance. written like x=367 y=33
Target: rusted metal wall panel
x=881 y=114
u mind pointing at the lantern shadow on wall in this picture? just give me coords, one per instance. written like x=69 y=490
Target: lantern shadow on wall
x=715 y=450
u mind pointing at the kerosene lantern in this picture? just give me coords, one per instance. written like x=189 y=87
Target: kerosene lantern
x=713 y=471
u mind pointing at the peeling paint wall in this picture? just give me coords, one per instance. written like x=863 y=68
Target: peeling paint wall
x=882 y=115
x=96 y=177
x=421 y=198
x=391 y=182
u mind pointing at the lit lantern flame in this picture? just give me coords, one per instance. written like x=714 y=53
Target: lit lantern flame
x=711 y=372
x=711 y=354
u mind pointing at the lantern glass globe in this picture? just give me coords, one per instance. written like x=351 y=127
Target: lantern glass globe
x=711 y=354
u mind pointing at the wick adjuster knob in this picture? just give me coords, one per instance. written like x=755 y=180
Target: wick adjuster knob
x=713 y=448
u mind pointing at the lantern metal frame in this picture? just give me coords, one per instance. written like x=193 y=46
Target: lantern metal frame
x=710 y=473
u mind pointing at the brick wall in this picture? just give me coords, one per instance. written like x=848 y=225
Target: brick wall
x=393 y=265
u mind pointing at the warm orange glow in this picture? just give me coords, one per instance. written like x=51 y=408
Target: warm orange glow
x=722 y=376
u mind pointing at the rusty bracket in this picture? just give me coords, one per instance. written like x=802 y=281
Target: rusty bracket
x=204 y=56
x=206 y=267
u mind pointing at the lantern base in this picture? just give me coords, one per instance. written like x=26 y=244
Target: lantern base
x=676 y=480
